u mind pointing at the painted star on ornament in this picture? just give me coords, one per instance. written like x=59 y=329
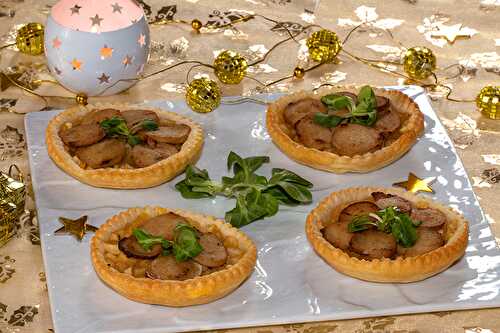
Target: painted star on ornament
x=75 y=9
x=56 y=43
x=451 y=32
x=142 y=40
x=57 y=70
x=103 y=78
x=127 y=60
x=77 y=227
x=117 y=8
x=106 y=52
x=415 y=184
x=77 y=65
x=96 y=20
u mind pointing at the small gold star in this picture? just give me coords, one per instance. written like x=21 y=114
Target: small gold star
x=96 y=20
x=127 y=60
x=415 y=184
x=77 y=227
x=77 y=65
x=103 y=78
x=106 y=52
x=142 y=40
x=56 y=43
x=451 y=32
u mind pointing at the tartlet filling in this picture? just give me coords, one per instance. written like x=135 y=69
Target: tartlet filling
x=387 y=227
x=168 y=247
x=344 y=123
x=122 y=139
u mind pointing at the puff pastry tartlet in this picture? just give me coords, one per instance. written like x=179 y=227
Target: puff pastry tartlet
x=370 y=254
x=227 y=259
x=349 y=147
x=109 y=145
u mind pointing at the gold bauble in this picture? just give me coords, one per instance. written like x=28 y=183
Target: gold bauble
x=298 y=72
x=29 y=39
x=230 y=67
x=488 y=101
x=203 y=95
x=323 y=45
x=419 y=62
x=81 y=99
x=196 y=25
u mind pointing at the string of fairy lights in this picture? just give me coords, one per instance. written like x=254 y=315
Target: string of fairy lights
x=203 y=95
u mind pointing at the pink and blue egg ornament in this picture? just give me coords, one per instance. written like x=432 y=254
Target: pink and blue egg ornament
x=96 y=47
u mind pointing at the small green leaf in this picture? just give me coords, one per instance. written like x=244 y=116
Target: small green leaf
x=360 y=223
x=187 y=192
x=279 y=194
x=186 y=245
x=337 y=102
x=133 y=140
x=149 y=125
x=367 y=96
x=404 y=230
x=271 y=204
x=325 y=120
x=255 y=162
x=279 y=174
x=145 y=240
x=115 y=126
x=297 y=192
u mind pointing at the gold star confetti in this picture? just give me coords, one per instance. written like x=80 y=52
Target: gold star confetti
x=75 y=9
x=96 y=20
x=56 y=43
x=103 y=78
x=142 y=40
x=77 y=65
x=415 y=184
x=106 y=52
x=77 y=227
x=451 y=32
x=127 y=60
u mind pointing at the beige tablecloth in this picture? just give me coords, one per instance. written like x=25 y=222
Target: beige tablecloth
x=24 y=304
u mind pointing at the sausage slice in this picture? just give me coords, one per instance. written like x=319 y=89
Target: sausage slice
x=96 y=116
x=354 y=139
x=82 y=135
x=296 y=111
x=134 y=117
x=373 y=244
x=144 y=156
x=132 y=249
x=383 y=201
x=214 y=253
x=430 y=218
x=338 y=235
x=163 y=225
x=174 y=134
x=103 y=154
x=167 y=268
x=313 y=135
x=388 y=121
x=428 y=240
x=383 y=103
x=358 y=208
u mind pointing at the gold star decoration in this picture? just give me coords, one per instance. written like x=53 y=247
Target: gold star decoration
x=7 y=79
x=75 y=9
x=106 y=52
x=77 y=227
x=415 y=184
x=451 y=32
x=77 y=65
x=127 y=60
x=103 y=78
x=96 y=20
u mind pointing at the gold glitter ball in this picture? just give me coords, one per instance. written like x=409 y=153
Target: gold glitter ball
x=419 y=62
x=81 y=99
x=12 y=198
x=29 y=39
x=323 y=45
x=203 y=95
x=488 y=101
x=196 y=25
x=298 y=72
x=230 y=67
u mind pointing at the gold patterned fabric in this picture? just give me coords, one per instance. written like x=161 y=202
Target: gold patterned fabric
x=462 y=33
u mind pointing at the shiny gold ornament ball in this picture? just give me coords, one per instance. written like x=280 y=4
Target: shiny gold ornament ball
x=419 y=62
x=29 y=39
x=81 y=99
x=203 y=95
x=298 y=72
x=230 y=67
x=488 y=101
x=196 y=25
x=323 y=45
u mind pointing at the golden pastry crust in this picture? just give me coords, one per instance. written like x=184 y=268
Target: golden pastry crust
x=409 y=131
x=200 y=290
x=121 y=178
x=409 y=269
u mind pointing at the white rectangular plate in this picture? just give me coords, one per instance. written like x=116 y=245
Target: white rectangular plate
x=290 y=282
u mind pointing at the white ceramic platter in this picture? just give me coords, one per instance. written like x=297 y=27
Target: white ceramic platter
x=290 y=282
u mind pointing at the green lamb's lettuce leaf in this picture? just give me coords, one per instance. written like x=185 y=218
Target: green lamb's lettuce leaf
x=146 y=240
x=326 y=120
x=186 y=245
